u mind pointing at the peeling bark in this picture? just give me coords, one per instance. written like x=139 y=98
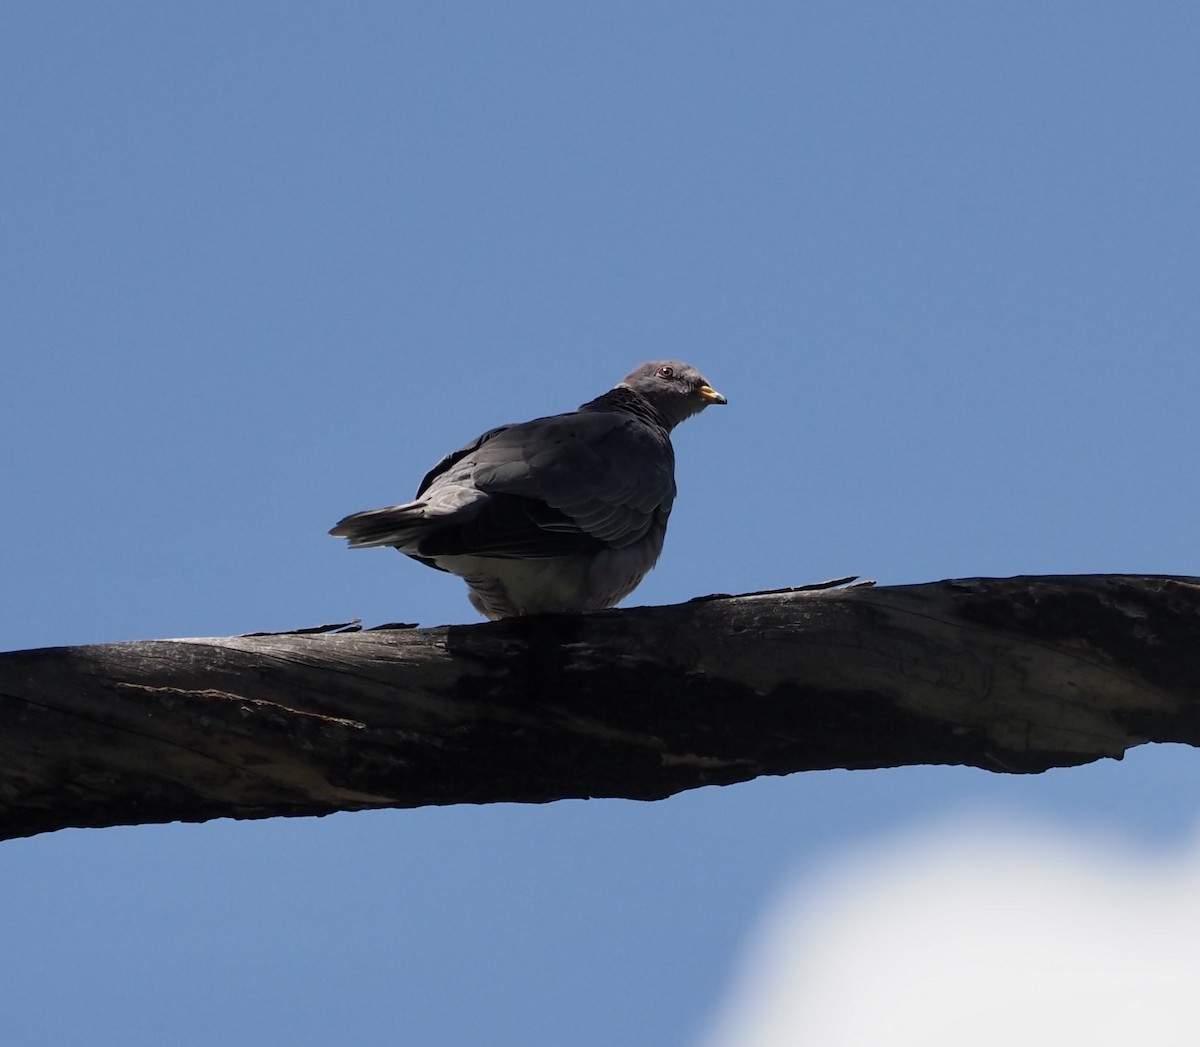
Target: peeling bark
x=1017 y=674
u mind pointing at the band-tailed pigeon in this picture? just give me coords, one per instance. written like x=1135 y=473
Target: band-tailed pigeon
x=561 y=514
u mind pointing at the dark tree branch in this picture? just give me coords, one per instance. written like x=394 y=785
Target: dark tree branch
x=1015 y=674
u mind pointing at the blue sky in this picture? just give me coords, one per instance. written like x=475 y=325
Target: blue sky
x=264 y=263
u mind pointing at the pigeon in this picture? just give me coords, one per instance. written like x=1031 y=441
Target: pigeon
x=563 y=514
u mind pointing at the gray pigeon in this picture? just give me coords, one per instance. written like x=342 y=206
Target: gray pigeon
x=561 y=514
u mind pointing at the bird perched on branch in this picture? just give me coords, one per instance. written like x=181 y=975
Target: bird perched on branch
x=562 y=514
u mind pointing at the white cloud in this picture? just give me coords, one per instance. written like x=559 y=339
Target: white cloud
x=977 y=933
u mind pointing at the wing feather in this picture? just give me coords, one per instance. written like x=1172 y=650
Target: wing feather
x=577 y=482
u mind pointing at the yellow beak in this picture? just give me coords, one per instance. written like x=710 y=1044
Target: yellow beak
x=710 y=396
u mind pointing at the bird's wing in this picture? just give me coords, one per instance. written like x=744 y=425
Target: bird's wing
x=567 y=483
x=454 y=457
x=452 y=499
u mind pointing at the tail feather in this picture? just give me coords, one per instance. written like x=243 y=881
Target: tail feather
x=393 y=525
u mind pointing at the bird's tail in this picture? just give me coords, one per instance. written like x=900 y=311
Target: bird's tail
x=394 y=525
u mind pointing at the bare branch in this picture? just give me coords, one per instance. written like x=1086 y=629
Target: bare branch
x=1015 y=674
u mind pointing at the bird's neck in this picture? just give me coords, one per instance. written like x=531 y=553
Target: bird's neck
x=629 y=402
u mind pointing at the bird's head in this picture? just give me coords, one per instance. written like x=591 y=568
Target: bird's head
x=676 y=390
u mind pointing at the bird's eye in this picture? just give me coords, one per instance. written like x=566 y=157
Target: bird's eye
x=666 y=372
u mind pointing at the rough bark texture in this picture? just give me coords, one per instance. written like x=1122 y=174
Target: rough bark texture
x=1015 y=674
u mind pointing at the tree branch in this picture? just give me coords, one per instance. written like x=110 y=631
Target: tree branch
x=1015 y=674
